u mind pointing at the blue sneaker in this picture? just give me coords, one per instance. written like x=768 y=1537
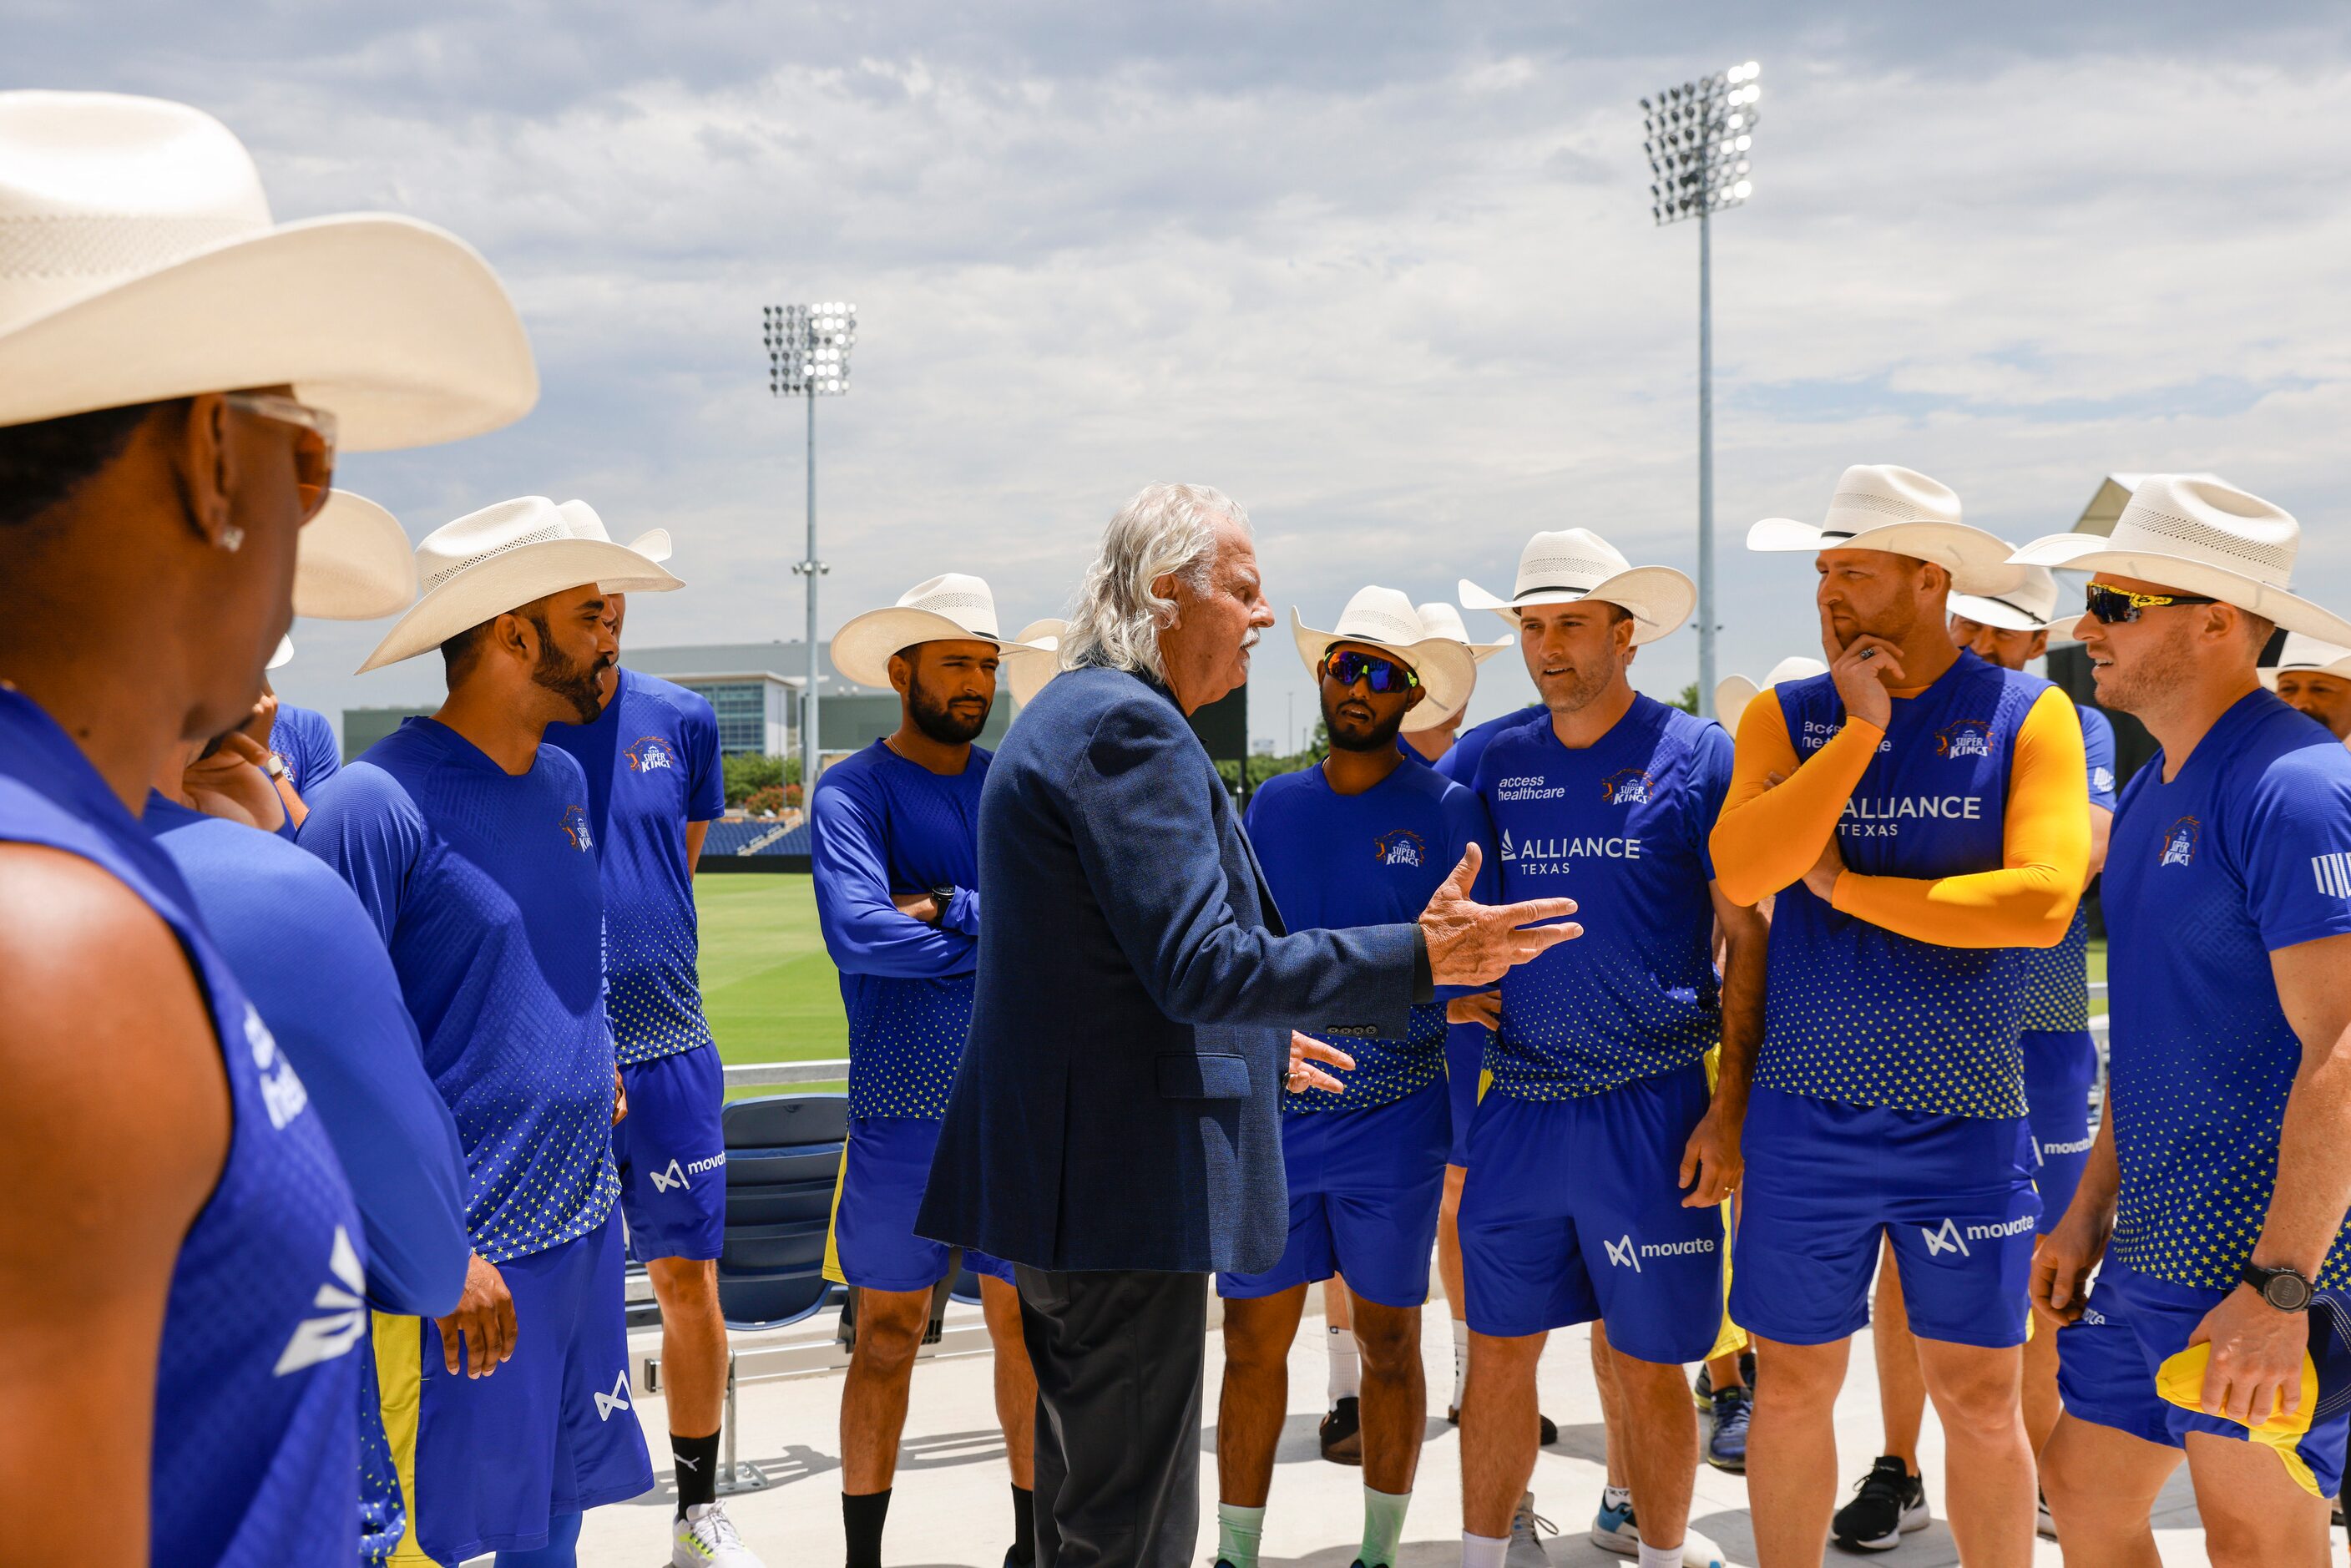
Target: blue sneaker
x=1726 y=1442
x=1614 y=1529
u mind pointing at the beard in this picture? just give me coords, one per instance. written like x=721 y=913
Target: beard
x=579 y=684
x=1582 y=689
x=941 y=721
x=1378 y=734
x=2154 y=672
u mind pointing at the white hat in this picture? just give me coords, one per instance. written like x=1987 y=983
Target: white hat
x=488 y=562
x=1573 y=564
x=138 y=262
x=951 y=607
x=1385 y=619
x=2308 y=655
x=351 y=563
x=2200 y=537
x=1034 y=658
x=653 y=544
x=1443 y=621
x=283 y=656
x=1733 y=693
x=1880 y=506
x=2030 y=606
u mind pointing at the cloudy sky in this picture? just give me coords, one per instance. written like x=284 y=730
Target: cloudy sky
x=1385 y=273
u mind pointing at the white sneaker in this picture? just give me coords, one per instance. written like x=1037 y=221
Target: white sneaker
x=1697 y=1552
x=1526 y=1548
x=706 y=1538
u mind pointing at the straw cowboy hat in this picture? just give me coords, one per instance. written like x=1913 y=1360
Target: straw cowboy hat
x=2200 y=537
x=2030 y=606
x=1385 y=619
x=953 y=607
x=1880 y=506
x=138 y=262
x=1443 y=621
x=653 y=544
x=1034 y=658
x=2308 y=655
x=1570 y=565
x=353 y=563
x=490 y=561
x=1733 y=693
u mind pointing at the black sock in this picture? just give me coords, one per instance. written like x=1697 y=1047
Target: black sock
x=698 y=1469
x=1024 y=1525
x=860 y=1519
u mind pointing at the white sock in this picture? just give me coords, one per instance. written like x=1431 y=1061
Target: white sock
x=1460 y=1360
x=1661 y=1556
x=1482 y=1551
x=1346 y=1366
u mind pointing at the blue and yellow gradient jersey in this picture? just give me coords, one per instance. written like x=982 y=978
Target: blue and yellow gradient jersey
x=1964 y=828
x=2057 y=979
x=2246 y=851
x=1335 y=861
x=484 y=886
x=1621 y=827
x=305 y=741
x=651 y=762
x=882 y=825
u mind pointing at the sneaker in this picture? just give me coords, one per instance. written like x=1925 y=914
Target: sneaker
x=1526 y=1548
x=1888 y=1503
x=1697 y=1552
x=1550 y=1431
x=1702 y=1391
x=1616 y=1529
x=1726 y=1439
x=2044 y=1525
x=706 y=1538
x=1343 y=1433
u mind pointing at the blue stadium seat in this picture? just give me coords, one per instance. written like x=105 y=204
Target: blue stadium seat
x=783 y=1156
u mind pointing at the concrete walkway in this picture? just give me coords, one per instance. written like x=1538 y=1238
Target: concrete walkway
x=953 y=1505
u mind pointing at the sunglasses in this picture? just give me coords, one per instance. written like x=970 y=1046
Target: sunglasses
x=1385 y=675
x=2116 y=604
x=314 y=441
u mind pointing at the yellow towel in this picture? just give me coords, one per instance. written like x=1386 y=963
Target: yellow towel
x=2180 y=1379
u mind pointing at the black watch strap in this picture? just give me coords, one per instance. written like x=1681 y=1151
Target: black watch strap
x=2287 y=1289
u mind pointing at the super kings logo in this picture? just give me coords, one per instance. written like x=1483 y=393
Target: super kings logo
x=651 y=751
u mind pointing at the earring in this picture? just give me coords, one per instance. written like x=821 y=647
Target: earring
x=231 y=539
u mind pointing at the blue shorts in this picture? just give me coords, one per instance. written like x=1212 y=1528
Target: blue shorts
x=672 y=1155
x=1826 y=1179
x=1364 y=1189
x=872 y=1244
x=1572 y=1210
x=1465 y=1075
x=484 y=1463
x=2133 y=1323
x=2060 y=1068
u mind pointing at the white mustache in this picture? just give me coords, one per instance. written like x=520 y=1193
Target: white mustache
x=1249 y=639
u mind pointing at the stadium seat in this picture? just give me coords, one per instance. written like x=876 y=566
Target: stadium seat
x=783 y=1156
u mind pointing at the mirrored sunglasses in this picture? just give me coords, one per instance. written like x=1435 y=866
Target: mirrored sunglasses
x=2117 y=604
x=1384 y=676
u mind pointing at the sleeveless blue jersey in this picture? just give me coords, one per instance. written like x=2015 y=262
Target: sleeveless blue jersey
x=1866 y=1016
x=2057 y=979
x=255 y=1455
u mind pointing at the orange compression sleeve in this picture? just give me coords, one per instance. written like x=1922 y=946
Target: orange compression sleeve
x=2045 y=845
x=1768 y=838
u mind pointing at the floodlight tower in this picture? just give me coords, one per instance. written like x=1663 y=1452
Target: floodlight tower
x=1697 y=135
x=807 y=357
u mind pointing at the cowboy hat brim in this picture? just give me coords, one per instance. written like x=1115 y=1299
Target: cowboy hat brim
x=353 y=562
x=1033 y=659
x=1447 y=672
x=2096 y=553
x=1732 y=696
x=1657 y=598
x=863 y=648
x=1985 y=611
x=652 y=544
x=1978 y=563
x=399 y=328
x=282 y=656
x=497 y=583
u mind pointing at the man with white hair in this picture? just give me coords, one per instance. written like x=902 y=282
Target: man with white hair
x=1114 y=1129
x=2314 y=678
x=2213 y=1210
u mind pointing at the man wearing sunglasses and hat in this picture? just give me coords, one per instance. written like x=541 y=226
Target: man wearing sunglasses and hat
x=1922 y=815
x=1362 y=839
x=1598 y=1160
x=471 y=843
x=2213 y=1210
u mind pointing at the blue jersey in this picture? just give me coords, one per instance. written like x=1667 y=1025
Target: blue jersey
x=2246 y=851
x=305 y=741
x=484 y=886
x=652 y=762
x=1335 y=861
x=305 y=954
x=1855 y=1012
x=2057 y=979
x=255 y=1450
x=880 y=825
x=1621 y=827
x=1460 y=763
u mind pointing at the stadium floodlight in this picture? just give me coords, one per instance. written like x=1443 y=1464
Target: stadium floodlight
x=1698 y=135
x=807 y=357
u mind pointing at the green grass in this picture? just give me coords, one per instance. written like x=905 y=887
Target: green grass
x=767 y=987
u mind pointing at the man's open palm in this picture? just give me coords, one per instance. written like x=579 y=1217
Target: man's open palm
x=1473 y=943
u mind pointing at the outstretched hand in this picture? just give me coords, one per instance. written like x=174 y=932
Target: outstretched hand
x=1473 y=943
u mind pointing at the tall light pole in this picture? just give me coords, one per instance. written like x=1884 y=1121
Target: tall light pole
x=1697 y=135
x=807 y=357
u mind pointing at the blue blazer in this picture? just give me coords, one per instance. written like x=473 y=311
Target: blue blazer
x=1119 y=1103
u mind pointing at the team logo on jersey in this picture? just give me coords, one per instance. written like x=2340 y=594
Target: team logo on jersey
x=282 y=1094
x=675 y=1175
x=575 y=828
x=616 y=1400
x=1403 y=847
x=1626 y=786
x=1966 y=737
x=2101 y=779
x=2179 y=843
x=340 y=1299
x=2333 y=874
x=1509 y=852
x=650 y=752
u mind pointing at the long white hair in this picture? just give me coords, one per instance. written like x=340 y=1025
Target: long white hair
x=1167 y=531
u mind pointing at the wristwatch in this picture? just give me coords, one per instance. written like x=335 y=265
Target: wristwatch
x=2285 y=1288
x=274 y=766
x=942 y=895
